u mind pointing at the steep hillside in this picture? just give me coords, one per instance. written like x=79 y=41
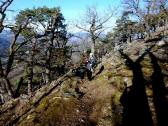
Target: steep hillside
x=70 y=101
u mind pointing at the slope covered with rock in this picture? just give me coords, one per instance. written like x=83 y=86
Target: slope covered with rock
x=70 y=101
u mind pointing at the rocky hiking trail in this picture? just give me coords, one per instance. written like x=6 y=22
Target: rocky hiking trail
x=61 y=103
x=70 y=101
x=74 y=109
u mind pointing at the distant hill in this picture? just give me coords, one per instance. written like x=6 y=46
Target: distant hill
x=5 y=38
x=4 y=44
x=83 y=35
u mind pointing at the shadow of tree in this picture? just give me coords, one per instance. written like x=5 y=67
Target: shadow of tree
x=116 y=112
x=136 y=111
x=159 y=93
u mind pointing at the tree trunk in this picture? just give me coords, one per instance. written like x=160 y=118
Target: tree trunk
x=47 y=77
x=8 y=87
x=31 y=66
x=43 y=77
x=18 y=87
x=130 y=39
x=147 y=22
x=48 y=61
x=30 y=79
x=47 y=66
x=93 y=43
x=93 y=49
x=1 y=99
x=7 y=83
x=1 y=69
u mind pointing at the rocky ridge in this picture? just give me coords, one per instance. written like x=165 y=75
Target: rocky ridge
x=70 y=101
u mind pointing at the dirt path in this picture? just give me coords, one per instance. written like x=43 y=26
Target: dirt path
x=58 y=109
x=97 y=99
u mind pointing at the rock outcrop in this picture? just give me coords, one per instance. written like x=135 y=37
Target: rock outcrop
x=70 y=101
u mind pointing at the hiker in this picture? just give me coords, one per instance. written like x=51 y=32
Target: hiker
x=85 y=59
x=92 y=61
x=80 y=71
x=89 y=70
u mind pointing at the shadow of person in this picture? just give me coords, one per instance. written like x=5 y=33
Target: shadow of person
x=99 y=72
x=159 y=93
x=136 y=111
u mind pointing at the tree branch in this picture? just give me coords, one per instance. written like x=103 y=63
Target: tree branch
x=8 y=2
x=18 y=33
x=22 y=44
x=103 y=22
x=82 y=28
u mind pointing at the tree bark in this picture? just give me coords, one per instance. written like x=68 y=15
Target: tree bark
x=93 y=48
x=18 y=87
x=8 y=87
x=93 y=43
x=30 y=79
x=31 y=66
x=47 y=77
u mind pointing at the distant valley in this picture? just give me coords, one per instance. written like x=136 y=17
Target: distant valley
x=4 y=44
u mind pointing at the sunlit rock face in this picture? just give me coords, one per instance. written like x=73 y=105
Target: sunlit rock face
x=161 y=43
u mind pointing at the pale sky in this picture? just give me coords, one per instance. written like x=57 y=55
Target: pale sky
x=71 y=9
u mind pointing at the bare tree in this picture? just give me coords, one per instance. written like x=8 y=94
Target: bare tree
x=143 y=13
x=4 y=4
x=162 y=7
x=134 y=7
x=94 y=25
